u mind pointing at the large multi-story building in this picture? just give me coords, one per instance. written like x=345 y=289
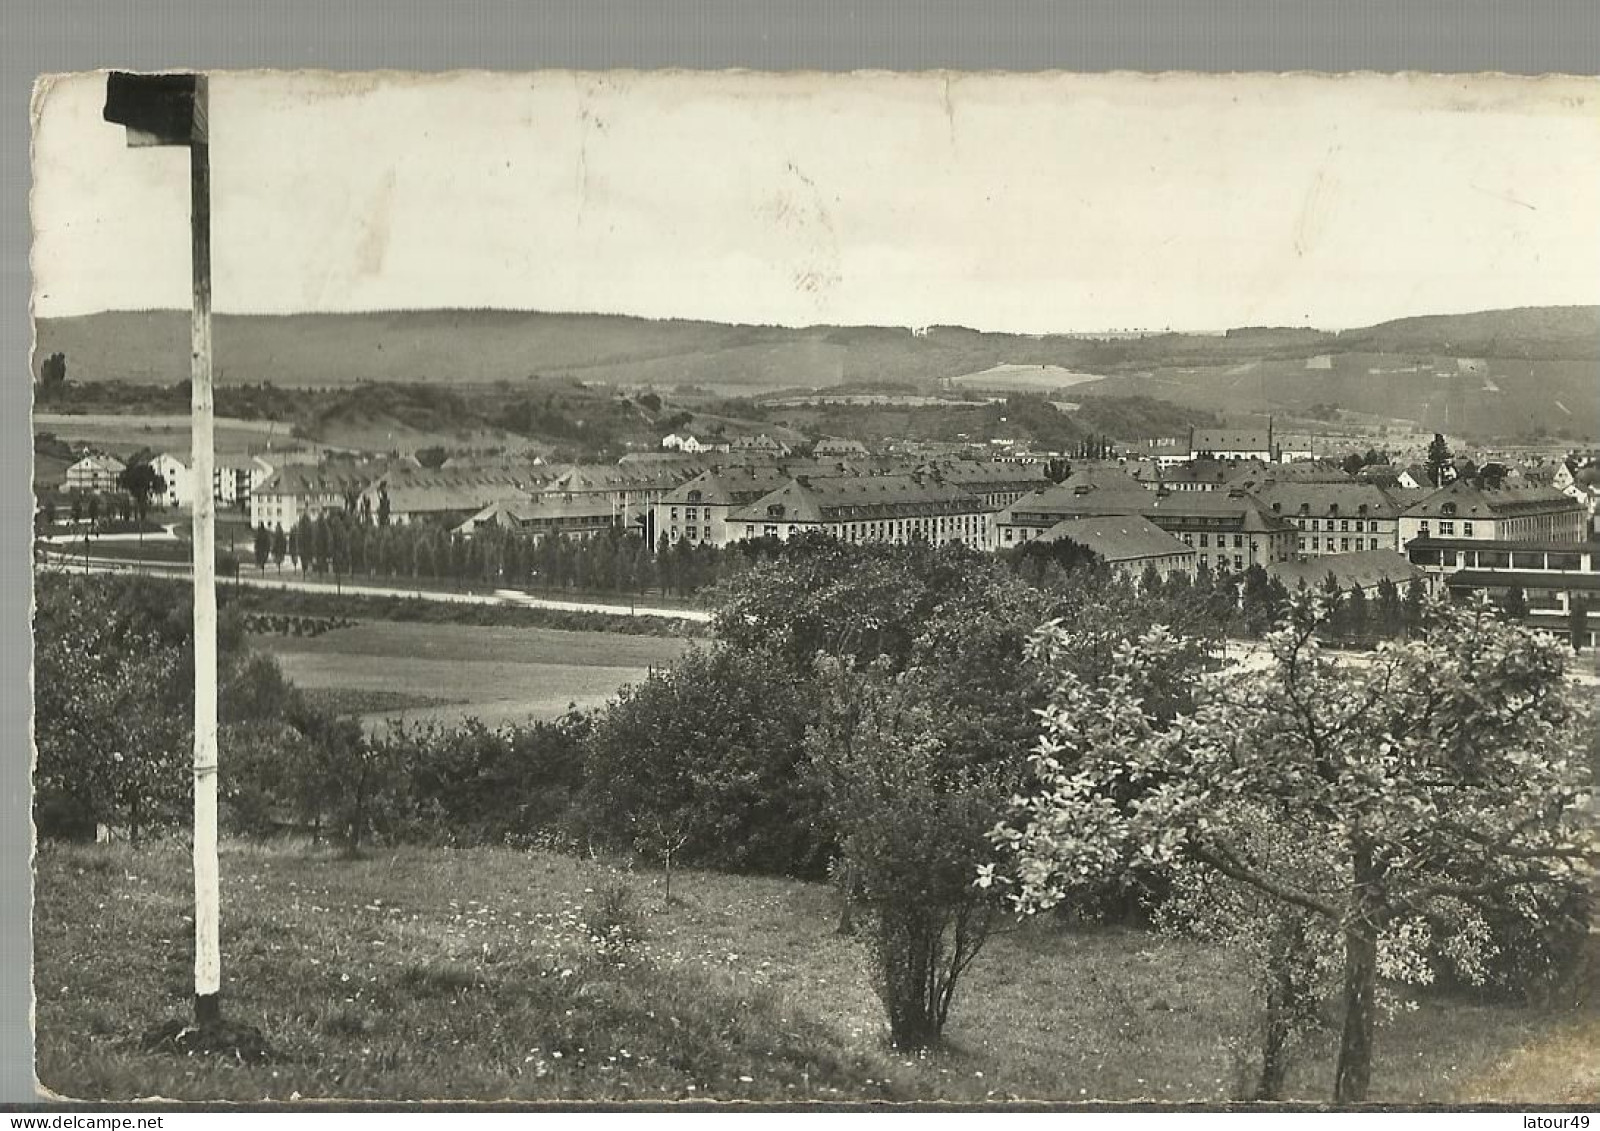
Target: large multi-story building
x=1464 y=510
x=177 y=480
x=1228 y=529
x=1336 y=518
x=997 y=483
x=297 y=491
x=697 y=511
x=867 y=508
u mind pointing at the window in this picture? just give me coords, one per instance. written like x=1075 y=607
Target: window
x=1238 y=541
x=1238 y=561
x=1344 y=525
x=1527 y=560
x=1563 y=561
x=1466 y=529
x=692 y=533
x=1422 y=528
x=1205 y=541
x=1344 y=544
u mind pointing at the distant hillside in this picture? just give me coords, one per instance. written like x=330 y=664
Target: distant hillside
x=1502 y=371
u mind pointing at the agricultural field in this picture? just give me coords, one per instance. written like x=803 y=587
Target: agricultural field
x=163 y=432
x=446 y=672
x=473 y=974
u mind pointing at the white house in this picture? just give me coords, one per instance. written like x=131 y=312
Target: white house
x=179 y=491
x=95 y=473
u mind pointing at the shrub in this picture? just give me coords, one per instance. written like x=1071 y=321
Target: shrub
x=711 y=749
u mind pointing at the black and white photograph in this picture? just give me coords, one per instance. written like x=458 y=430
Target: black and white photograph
x=690 y=587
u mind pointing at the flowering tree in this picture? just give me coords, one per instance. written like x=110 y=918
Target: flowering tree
x=1441 y=776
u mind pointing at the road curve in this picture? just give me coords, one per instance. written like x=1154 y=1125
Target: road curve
x=505 y=597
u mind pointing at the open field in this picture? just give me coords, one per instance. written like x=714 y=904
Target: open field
x=119 y=433
x=471 y=974
x=450 y=671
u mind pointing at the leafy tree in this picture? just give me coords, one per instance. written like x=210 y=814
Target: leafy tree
x=280 y=546
x=77 y=508
x=52 y=374
x=111 y=748
x=1387 y=615
x=1439 y=461
x=263 y=547
x=142 y=483
x=1413 y=607
x=1441 y=776
x=861 y=600
x=1514 y=603
x=1357 y=614
x=383 y=504
x=1577 y=621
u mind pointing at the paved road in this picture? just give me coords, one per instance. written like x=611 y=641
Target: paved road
x=76 y=563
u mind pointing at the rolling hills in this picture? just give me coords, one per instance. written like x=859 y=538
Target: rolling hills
x=1500 y=372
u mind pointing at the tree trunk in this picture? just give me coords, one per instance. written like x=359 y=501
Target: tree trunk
x=1278 y=1022
x=1354 y=1072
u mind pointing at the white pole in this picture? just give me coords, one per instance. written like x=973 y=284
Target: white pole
x=207 y=948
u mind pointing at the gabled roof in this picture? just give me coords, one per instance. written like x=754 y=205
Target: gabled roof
x=99 y=460
x=1365 y=569
x=1231 y=440
x=728 y=487
x=860 y=498
x=1463 y=499
x=1119 y=538
x=1342 y=500
x=1068 y=501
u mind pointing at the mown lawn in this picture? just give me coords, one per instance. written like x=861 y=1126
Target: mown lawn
x=445 y=672
x=473 y=974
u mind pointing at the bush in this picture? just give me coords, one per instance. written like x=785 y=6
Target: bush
x=710 y=748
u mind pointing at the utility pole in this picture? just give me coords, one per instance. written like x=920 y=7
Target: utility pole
x=171 y=110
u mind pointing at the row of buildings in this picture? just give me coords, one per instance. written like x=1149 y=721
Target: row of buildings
x=233 y=477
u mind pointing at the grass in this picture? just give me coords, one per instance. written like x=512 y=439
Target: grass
x=476 y=975
x=418 y=610
x=448 y=671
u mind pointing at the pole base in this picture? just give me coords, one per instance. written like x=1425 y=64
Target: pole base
x=209 y=1035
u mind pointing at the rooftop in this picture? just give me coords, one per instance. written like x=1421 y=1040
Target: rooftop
x=1118 y=538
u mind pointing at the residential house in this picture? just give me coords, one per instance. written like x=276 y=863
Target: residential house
x=95 y=474
x=761 y=443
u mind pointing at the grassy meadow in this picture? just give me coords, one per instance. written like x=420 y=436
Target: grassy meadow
x=445 y=672
x=424 y=973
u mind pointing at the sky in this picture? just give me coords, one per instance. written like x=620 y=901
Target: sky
x=1024 y=203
